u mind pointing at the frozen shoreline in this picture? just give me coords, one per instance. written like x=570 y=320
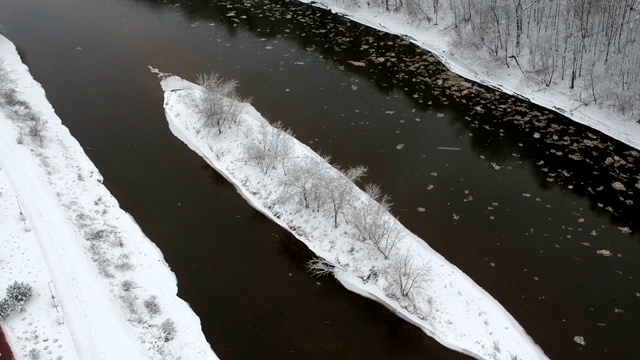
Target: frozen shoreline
x=436 y=39
x=455 y=311
x=61 y=228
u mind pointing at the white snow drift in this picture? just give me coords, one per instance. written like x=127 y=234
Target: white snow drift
x=63 y=232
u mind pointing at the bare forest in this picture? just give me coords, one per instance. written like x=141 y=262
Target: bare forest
x=589 y=47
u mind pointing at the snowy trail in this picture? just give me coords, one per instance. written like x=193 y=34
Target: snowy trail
x=61 y=246
x=82 y=241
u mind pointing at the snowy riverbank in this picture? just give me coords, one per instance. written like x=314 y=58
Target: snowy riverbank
x=448 y=306
x=476 y=66
x=62 y=232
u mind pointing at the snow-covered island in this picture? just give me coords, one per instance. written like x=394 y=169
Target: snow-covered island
x=581 y=59
x=96 y=286
x=351 y=231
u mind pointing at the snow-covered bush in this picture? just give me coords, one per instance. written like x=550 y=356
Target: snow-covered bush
x=407 y=275
x=34 y=354
x=271 y=147
x=6 y=307
x=128 y=285
x=19 y=292
x=152 y=306
x=130 y=301
x=219 y=104
x=168 y=330
x=372 y=223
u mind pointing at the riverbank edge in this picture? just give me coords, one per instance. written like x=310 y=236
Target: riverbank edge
x=518 y=339
x=436 y=40
x=150 y=273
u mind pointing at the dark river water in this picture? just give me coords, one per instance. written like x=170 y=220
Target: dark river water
x=5 y=350
x=525 y=203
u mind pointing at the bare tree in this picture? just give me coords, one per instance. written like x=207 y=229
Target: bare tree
x=283 y=145
x=271 y=145
x=304 y=181
x=258 y=148
x=339 y=189
x=373 y=224
x=408 y=273
x=320 y=267
x=219 y=105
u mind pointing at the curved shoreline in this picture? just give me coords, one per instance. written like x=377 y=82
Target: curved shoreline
x=606 y=121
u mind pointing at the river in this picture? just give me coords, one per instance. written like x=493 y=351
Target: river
x=515 y=207
x=5 y=350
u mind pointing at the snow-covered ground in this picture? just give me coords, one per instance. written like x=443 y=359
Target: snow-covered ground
x=471 y=64
x=449 y=306
x=62 y=232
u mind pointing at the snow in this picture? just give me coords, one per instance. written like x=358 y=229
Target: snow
x=451 y=308
x=439 y=40
x=60 y=229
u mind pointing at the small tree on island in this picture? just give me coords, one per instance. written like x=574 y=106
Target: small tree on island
x=219 y=104
x=407 y=274
x=339 y=190
x=373 y=223
x=273 y=145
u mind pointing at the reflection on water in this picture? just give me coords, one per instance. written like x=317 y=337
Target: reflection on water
x=523 y=207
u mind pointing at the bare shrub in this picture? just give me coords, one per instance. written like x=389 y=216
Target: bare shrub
x=168 y=330
x=6 y=82
x=338 y=189
x=124 y=263
x=373 y=224
x=128 y=285
x=304 y=182
x=272 y=145
x=408 y=274
x=320 y=267
x=257 y=149
x=130 y=301
x=152 y=306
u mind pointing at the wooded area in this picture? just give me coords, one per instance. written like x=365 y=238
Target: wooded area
x=588 y=46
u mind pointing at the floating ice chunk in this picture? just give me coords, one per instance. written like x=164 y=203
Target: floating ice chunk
x=579 y=340
x=618 y=186
x=624 y=229
x=604 y=252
